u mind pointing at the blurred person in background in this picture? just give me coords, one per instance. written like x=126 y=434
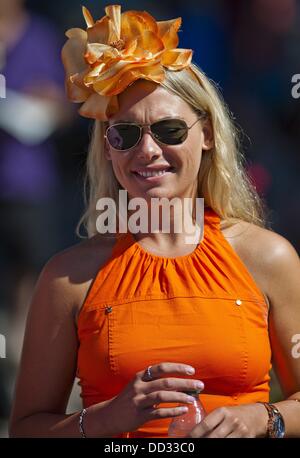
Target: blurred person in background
x=33 y=109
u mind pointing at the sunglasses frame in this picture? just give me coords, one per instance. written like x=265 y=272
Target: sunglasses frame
x=141 y=126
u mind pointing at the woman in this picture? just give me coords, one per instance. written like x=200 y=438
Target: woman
x=144 y=317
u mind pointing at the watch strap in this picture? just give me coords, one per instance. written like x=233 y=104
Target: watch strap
x=273 y=413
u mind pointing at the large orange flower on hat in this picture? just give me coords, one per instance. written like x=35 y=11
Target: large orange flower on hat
x=114 y=52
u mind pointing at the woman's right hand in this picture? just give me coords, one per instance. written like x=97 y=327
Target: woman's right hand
x=136 y=404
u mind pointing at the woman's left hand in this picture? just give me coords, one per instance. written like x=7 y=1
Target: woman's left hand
x=248 y=420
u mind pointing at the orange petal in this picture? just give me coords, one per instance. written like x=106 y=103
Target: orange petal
x=114 y=14
x=109 y=78
x=135 y=23
x=92 y=75
x=117 y=83
x=148 y=44
x=78 y=78
x=99 y=32
x=99 y=107
x=78 y=81
x=153 y=73
x=93 y=53
x=73 y=61
x=88 y=17
x=114 y=68
x=76 y=33
x=177 y=59
x=76 y=89
x=95 y=107
x=168 y=32
x=130 y=47
x=97 y=50
x=76 y=94
x=73 y=51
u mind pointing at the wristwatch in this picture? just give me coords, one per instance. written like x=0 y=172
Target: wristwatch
x=275 y=427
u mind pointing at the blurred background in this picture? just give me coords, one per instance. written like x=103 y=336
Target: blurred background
x=250 y=48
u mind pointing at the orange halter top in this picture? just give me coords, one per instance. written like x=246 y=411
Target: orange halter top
x=203 y=309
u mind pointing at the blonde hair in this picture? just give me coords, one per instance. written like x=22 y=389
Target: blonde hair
x=222 y=179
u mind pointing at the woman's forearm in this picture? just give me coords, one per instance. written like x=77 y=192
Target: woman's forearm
x=95 y=422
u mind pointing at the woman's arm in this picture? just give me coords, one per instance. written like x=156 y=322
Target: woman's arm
x=284 y=326
x=278 y=267
x=48 y=363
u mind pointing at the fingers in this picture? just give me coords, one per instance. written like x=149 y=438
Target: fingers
x=165 y=412
x=221 y=431
x=159 y=370
x=230 y=430
x=221 y=423
x=158 y=397
x=208 y=424
x=172 y=384
x=158 y=380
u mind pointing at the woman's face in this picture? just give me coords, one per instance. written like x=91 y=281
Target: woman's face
x=145 y=103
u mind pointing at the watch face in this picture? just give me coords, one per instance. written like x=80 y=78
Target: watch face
x=279 y=427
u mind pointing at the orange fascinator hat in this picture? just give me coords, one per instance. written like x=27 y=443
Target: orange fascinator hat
x=113 y=52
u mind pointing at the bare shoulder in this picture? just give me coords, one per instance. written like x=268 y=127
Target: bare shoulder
x=252 y=239
x=267 y=254
x=70 y=272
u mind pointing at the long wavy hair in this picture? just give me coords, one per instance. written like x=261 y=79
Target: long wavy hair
x=222 y=179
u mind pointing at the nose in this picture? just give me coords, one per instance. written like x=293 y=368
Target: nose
x=148 y=148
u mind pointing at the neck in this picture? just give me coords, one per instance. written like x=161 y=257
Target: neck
x=169 y=224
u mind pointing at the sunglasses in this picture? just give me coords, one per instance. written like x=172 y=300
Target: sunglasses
x=124 y=136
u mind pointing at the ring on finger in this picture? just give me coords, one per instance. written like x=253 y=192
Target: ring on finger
x=148 y=374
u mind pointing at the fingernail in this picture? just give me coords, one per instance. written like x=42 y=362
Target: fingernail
x=199 y=385
x=190 y=370
x=183 y=409
x=190 y=400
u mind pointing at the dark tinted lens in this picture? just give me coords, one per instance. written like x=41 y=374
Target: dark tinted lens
x=123 y=136
x=170 y=131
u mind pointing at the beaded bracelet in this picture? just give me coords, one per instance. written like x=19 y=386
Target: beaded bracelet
x=81 y=429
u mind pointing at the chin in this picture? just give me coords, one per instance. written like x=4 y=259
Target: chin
x=158 y=193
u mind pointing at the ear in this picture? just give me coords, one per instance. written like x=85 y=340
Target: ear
x=208 y=135
x=107 y=150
